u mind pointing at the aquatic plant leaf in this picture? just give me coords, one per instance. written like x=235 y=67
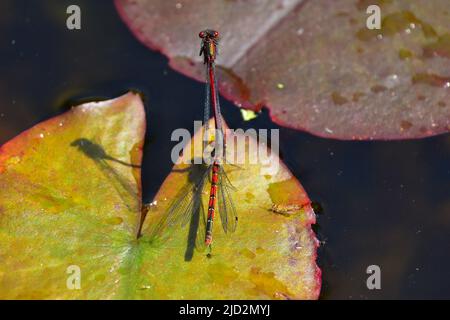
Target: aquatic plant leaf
x=269 y=256
x=70 y=205
x=70 y=200
x=315 y=65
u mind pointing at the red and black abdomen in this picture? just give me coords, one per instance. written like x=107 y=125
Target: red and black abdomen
x=212 y=203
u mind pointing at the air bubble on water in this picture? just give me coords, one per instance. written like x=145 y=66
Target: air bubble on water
x=178 y=5
x=328 y=130
x=447 y=85
x=41 y=135
x=300 y=31
x=61 y=124
x=280 y=85
x=13 y=41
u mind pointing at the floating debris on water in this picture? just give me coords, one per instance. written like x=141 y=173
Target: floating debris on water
x=338 y=99
x=405 y=125
x=397 y=22
x=431 y=79
x=114 y=221
x=280 y=85
x=357 y=96
x=405 y=54
x=13 y=160
x=286 y=209
x=145 y=287
x=441 y=47
x=378 y=88
x=248 y=115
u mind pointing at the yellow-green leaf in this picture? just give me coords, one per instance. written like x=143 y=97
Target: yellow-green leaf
x=269 y=256
x=70 y=211
x=70 y=196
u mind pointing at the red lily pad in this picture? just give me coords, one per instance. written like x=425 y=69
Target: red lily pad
x=70 y=215
x=314 y=64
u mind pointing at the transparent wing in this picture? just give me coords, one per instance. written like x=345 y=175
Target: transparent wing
x=196 y=233
x=200 y=244
x=220 y=138
x=206 y=111
x=227 y=210
x=218 y=115
x=187 y=202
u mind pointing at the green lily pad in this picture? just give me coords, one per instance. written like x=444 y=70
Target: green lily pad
x=269 y=256
x=71 y=200
x=70 y=195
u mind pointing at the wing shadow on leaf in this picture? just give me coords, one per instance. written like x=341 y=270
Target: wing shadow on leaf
x=187 y=206
x=100 y=157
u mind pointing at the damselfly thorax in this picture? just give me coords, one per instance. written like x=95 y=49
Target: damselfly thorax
x=208 y=49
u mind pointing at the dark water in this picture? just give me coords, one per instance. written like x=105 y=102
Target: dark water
x=384 y=203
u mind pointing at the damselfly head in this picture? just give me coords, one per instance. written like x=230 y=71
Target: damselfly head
x=209 y=34
x=208 y=49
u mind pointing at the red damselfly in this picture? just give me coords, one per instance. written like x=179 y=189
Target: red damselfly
x=208 y=50
x=188 y=205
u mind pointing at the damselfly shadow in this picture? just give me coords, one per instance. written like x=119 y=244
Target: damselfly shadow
x=101 y=158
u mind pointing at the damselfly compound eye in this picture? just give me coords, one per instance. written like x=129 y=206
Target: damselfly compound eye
x=202 y=34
